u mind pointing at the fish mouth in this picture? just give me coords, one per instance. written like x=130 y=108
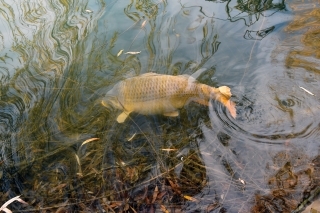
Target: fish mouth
x=223 y=95
x=226 y=91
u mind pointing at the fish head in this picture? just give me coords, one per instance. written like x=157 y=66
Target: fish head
x=111 y=102
x=223 y=95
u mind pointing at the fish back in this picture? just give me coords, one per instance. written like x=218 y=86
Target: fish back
x=148 y=88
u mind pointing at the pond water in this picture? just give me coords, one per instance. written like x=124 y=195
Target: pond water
x=63 y=151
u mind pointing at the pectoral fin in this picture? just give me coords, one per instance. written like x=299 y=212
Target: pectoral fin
x=171 y=114
x=123 y=116
x=230 y=105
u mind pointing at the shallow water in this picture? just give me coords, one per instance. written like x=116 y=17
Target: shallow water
x=59 y=58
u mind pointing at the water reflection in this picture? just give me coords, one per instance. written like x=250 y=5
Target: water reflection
x=306 y=57
x=251 y=11
x=258 y=35
x=59 y=58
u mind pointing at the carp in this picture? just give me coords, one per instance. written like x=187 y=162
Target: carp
x=153 y=93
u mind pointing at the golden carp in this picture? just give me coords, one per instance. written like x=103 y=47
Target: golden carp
x=153 y=93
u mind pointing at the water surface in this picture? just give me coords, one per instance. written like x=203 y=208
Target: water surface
x=63 y=151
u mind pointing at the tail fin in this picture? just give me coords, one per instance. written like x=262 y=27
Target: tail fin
x=111 y=102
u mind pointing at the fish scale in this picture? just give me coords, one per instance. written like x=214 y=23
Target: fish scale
x=152 y=93
x=150 y=89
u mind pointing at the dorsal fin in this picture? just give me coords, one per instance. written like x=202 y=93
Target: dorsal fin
x=130 y=74
x=199 y=72
x=190 y=78
x=149 y=74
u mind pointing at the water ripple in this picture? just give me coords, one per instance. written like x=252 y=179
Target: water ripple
x=38 y=42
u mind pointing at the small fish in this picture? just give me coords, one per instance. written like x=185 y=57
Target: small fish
x=143 y=23
x=306 y=90
x=168 y=150
x=119 y=53
x=133 y=53
x=153 y=93
x=190 y=198
x=132 y=137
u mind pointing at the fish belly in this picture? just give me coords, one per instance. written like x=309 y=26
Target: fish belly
x=155 y=106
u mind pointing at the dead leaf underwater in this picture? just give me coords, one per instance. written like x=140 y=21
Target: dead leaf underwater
x=153 y=93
